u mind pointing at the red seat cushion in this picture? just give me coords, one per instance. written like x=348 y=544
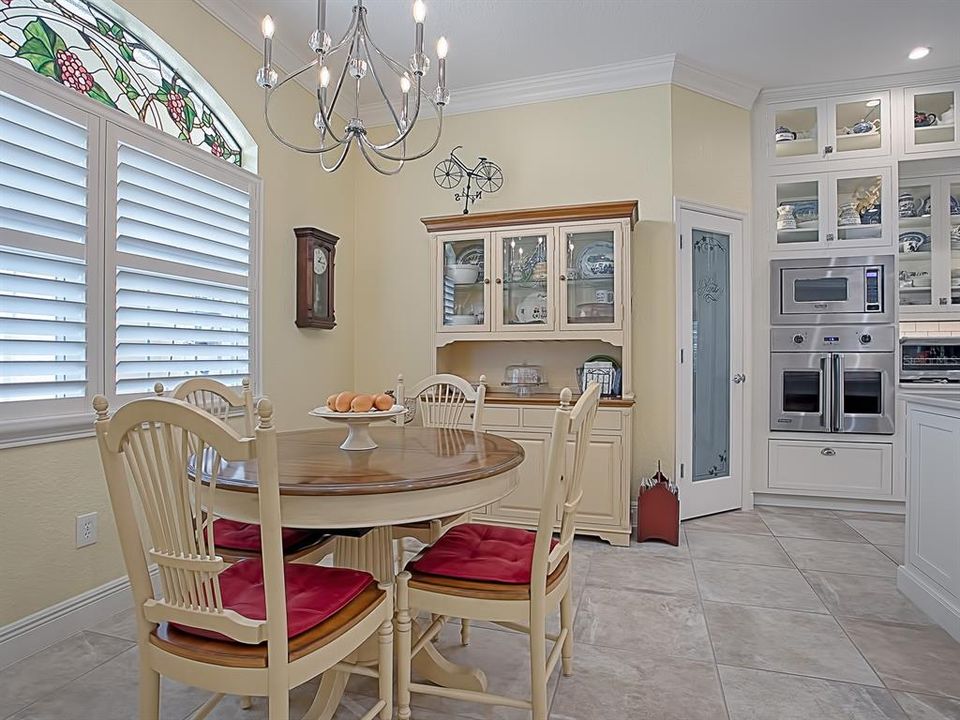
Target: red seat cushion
x=314 y=594
x=233 y=535
x=488 y=553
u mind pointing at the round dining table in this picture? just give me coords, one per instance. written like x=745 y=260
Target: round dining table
x=415 y=474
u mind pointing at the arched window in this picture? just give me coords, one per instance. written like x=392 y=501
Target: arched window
x=91 y=48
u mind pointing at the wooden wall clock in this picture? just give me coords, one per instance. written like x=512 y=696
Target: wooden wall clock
x=315 y=265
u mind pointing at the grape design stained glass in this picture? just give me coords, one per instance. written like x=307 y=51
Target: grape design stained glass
x=76 y=43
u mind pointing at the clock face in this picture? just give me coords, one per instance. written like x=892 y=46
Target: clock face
x=319 y=261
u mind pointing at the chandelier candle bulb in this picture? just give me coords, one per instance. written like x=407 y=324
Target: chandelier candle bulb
x=442 y=48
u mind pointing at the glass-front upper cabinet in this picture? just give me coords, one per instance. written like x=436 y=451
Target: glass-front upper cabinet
x=859 y=125
x=523 y=284
x=929 y=244
x=917 y=203
x=794 y=131
x=931 y=124
x=464 y=283
x=838 y=208
x=590 y=295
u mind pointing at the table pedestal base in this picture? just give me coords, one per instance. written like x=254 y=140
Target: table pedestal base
x=374 y=554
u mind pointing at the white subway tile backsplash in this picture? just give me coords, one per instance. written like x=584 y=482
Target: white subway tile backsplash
x=946 y=328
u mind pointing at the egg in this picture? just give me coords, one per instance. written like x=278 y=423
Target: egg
x=383 y=402
x=342 y=403
x=332 y=402
x=362 y=403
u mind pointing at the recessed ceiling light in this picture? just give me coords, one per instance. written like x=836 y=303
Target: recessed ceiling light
x=919 y=52
x=872 y=103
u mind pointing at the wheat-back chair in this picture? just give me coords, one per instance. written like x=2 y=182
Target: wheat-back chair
x=466 y=574
x=249 y=628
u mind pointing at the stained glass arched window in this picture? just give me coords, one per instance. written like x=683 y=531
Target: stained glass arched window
x=77 y=43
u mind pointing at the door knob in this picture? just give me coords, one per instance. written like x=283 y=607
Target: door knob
x=739 y=378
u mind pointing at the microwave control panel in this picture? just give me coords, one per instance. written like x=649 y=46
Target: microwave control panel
x=872 y=284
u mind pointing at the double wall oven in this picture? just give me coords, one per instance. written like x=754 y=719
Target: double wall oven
x=833 y=346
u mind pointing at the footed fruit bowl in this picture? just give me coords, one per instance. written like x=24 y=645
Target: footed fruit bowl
x=358 y=424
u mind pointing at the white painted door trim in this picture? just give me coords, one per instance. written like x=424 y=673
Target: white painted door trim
x=741 y=314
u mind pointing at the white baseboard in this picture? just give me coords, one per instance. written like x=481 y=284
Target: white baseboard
x=931 y=598
x=891 y=507
x=49 y=626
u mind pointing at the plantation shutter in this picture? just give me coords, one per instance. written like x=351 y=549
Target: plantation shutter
x=45 y=220
x=182 y=270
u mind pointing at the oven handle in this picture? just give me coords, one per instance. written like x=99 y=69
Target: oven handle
x=837 y=400
x=823 y=391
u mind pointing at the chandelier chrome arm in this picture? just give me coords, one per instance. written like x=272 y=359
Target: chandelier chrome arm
x=362 y=57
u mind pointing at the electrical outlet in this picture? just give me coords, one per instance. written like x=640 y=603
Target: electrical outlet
x=86 y=529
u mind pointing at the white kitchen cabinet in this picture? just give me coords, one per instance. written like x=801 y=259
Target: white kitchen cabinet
x=826 y=466
x=931 y=573
x=924 y=134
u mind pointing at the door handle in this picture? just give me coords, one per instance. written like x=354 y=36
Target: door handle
x=739 y=378
x=823 y=392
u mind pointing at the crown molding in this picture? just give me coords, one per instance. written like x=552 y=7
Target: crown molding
x=861 y=85
x=596 y=80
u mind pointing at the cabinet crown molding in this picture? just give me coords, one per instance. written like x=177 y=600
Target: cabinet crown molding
x=534 y=216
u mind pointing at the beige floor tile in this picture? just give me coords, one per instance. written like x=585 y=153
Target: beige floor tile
x=744 y=523
x=840 y=557
x=616 y=685
x=109 y=692
x=47 y=670
x=660 y=624
x=879 y=532
x=894 y=552
x=122 y=625
x=928 y=707
x=915 y=658
x=763 y=695
x=658 y=547
x=820 y=528
x=730 y=547
x=874 y=598
x=787 y=641
x=756 y=585
x=631 y=570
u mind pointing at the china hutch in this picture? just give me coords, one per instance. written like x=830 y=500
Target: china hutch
x=860 y=168
x=527 y=298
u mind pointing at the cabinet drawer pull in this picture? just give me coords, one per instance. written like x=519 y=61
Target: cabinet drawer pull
x=563 y=277
x=499 y=281
x=828 y=452
x=486 y=281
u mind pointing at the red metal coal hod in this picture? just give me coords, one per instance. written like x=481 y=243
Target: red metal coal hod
x=658 y=511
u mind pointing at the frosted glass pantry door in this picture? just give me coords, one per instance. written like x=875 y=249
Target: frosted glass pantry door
x=711 y=410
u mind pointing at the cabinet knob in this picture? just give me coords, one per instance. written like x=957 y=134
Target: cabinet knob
x=828 y=452
x=499 y=281
x=563 y=277
x=827 y=149
x=486 y=281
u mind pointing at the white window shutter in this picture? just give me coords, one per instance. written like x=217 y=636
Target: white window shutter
x=43 y=274
x=182 y=273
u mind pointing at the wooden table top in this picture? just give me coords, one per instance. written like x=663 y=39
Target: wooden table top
x=407 y=459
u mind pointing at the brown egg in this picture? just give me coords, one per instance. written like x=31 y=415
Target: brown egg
x=362 y=403
x=332 y=402
x=343 y=401
x=383 y=402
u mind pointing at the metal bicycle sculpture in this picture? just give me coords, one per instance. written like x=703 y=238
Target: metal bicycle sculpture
x=486 y=175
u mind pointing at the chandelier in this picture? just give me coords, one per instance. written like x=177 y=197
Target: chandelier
x=361 y=56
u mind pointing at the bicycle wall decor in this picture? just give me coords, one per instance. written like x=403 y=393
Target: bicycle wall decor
x=484 y=177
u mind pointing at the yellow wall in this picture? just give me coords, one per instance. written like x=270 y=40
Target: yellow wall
x=606 y=147
x=646 y=144
x=43 y=487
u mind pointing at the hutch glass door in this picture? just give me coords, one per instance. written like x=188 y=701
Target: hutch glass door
x=464 y=283
x=589 y=285
x=525 y=267
x=916 y=204
x=953 y=200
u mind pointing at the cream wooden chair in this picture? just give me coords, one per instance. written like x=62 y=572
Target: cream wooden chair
x=216 y=626
x=439 y=401
x=509 y=576
x=237 y=540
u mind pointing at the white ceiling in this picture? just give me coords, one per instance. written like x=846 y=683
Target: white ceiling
x=758 y=43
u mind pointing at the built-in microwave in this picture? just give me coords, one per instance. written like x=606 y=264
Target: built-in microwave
x=832 y=290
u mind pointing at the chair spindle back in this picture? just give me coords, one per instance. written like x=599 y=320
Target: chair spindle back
x=441 y=400
x=213 y=397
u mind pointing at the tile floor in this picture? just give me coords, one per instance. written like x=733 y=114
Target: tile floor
x=778 y=614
